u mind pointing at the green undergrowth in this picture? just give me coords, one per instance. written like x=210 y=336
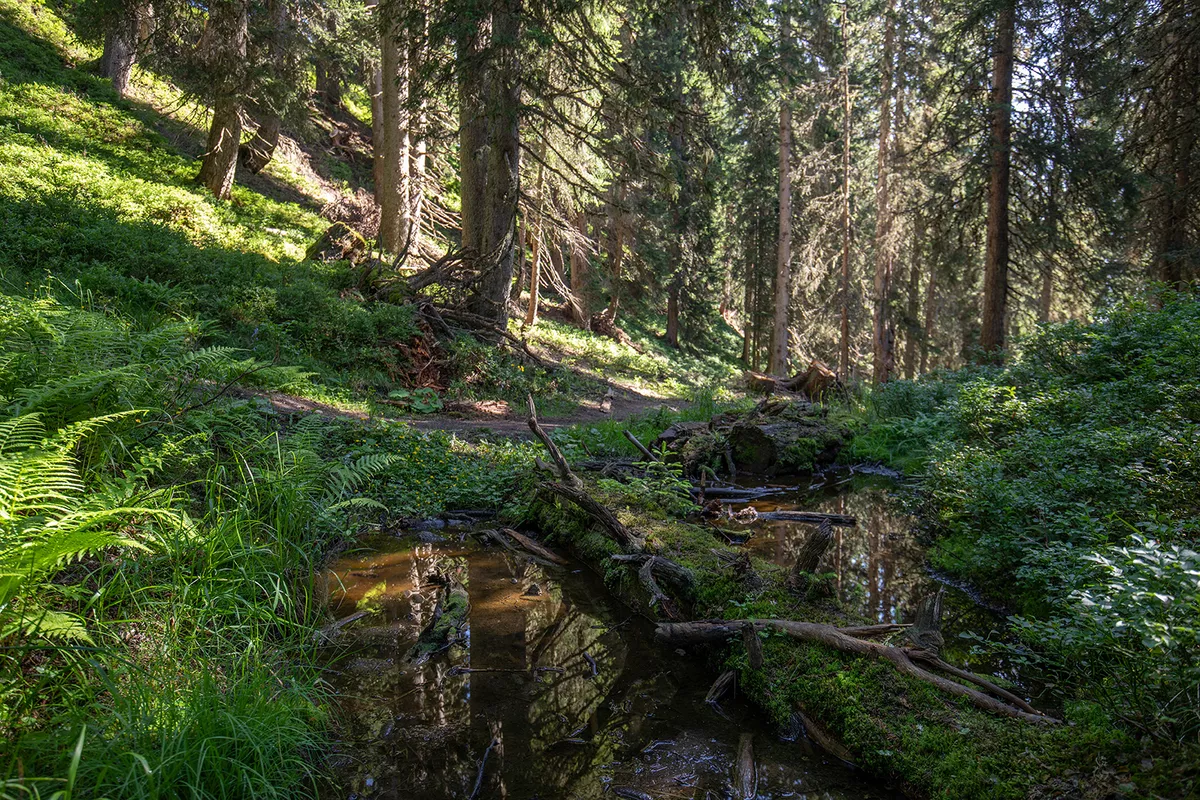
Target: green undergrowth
x=157 y=552
x=647 y=365
x=898 y=728
x=1064 y=485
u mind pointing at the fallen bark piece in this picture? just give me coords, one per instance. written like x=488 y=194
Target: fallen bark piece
x=926 y=632
x=722 y=686
x=753 y=646
x=809 y=558
x=830 y=636
x=745 y=782
x=534 y=547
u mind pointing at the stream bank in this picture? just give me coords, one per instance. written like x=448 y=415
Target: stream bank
x=610 y=712
x=902 y=730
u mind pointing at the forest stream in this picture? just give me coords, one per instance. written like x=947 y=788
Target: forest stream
x=565 y=690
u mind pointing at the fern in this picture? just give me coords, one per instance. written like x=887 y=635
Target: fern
x=47 y=521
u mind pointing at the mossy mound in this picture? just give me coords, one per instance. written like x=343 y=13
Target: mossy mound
x=777 y=436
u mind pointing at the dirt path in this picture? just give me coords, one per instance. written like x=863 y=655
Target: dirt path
x=484 y=418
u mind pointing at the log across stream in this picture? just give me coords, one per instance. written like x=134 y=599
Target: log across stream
x=611 y=713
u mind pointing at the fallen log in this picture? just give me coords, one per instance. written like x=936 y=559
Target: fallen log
x=604 y=516
x=811 y=517
x=534 y=547
x=571 y=488
x=564 y=470
x=735 y=494
x=701 y=632
x=823 y=738
x=679 y=576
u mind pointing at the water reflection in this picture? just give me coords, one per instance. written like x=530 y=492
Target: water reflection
x=622 y=712
x=879 y=564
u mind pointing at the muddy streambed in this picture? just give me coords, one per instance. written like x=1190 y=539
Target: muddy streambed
x=612 y=713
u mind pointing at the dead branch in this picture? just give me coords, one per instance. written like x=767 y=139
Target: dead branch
x=707 y=632
x=641 y=447
x=812 y=517
x=604 y=516
x=564 y=469
x=753 y=646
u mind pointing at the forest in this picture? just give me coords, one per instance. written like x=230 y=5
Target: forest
x=560 y=399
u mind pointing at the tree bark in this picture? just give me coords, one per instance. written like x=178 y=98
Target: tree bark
x=224 y=42
x=779 y=337
x=393 y=193
x=260 y=149
x=493 y=283
x=120 y=46
x=995 y=280
x=880 y=340
x=472 y=139
x=912 y=340
x=376 y=89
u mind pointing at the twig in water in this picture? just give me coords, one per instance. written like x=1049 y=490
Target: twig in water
x=482 y=764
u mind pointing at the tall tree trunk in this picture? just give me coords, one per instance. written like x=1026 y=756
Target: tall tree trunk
x=472 y=139
x=880 y=340
x=120 y=46
x=224 y=44
x=1174 y=257
x=503 y=181
x=1046 y=295
x=930 y=316
x=260 y=149
x=531 y=313
x=579 y=265
x=911 y=338
x=748 y=306
x=376 y=88
x=394 y=210
x=995 y=280
x=418 y=144
x=844 y=285
x=783 y=282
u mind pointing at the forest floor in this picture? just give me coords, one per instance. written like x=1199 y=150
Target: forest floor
x=127 y=291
